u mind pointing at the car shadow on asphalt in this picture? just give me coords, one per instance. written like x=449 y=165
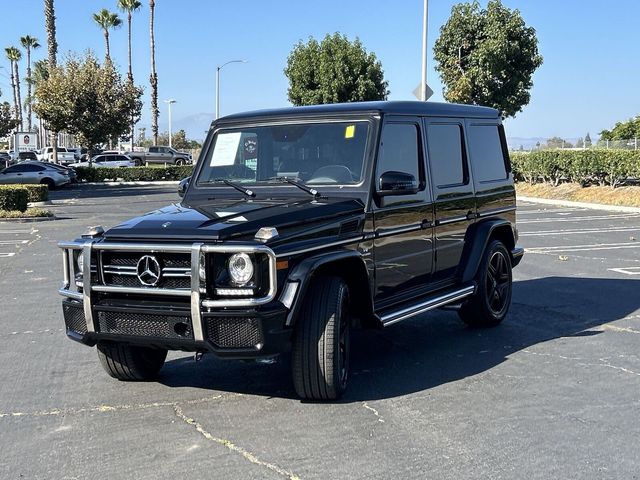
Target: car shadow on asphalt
x=437 y=348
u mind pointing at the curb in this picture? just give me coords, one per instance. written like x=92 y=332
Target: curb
x=28 y=219
x=46 y=203
x=569 y=203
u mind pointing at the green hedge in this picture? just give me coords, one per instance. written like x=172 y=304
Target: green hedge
x=133 y=174
x=36 y=193
x=13 y=197
x=586 y=167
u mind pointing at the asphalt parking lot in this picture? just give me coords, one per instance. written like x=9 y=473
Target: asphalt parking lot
x=551 y=393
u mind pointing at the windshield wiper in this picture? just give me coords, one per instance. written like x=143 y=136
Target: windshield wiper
x=300 y=185
x=246 y=191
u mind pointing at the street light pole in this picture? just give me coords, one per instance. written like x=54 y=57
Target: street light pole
x=169 y=102
x=218 y=84
x=423 y=89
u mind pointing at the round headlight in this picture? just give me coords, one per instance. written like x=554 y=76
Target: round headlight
x=240 y=268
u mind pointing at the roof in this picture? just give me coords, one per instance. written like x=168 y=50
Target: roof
x=389 y=107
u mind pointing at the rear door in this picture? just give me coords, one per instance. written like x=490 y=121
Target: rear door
x=454 y=196
x=403 y=245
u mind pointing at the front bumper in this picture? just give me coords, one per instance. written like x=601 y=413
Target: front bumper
x=176 y=319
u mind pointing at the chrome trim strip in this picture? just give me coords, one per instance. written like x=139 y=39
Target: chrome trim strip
x=66 y=277
x=394 y=231
x=130 y=268
x=86 y=285
x=145 y=247
x=119 y=272
x=408 y=312
x=321 y=247
x=196 y=319
x=447 y=221
x=178 y=292
x=71 y=245
x=70 y=294
x=496 y=211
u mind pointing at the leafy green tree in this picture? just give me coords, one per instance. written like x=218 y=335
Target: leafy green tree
x=88 y=100
x=587 y=140
x=7 y=122
x=52 y=52
x=557 y=142
x=332 y=71
x=107 y=20
x=487 y=57
x=623 y=130
x=580 y=143
x=29 y=43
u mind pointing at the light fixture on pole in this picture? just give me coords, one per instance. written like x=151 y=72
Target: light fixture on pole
x=218 y=83
x=169 y=102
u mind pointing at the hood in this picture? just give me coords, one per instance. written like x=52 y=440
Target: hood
x=233 y=219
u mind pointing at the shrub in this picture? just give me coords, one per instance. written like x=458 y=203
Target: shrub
x=586 y=167
x=13 y=197
x=133 y=174
x=36 y=193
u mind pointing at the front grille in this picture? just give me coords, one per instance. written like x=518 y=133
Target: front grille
x=145 y=324
x=120 y=269
x=234 y=332
x=74 y=317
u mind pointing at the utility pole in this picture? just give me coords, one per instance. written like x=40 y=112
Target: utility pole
x=218 y=83
x=169 y=102
x=423 y=88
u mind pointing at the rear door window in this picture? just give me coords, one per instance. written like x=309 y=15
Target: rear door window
x=487 y=153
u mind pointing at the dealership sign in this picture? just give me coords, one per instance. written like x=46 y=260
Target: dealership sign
x=26 y=141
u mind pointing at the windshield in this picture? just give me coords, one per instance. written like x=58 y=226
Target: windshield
x=314 y=153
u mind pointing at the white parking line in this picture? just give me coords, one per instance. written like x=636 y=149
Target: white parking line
x=577 y=231
x=14 y=242
x=626 y=270
x=579 y=218
x=583 y=248
x=5 y=255
x=551 y=210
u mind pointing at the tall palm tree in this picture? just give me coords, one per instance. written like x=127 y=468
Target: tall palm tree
x=107 y=20
x=14 y=55
x=29 y=43
x=50 y=22
x=153 y=77
x=129 y=6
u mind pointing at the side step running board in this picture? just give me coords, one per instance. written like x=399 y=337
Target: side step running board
x=430 y=304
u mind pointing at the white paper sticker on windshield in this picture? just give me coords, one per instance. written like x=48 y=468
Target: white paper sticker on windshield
x=226 y=149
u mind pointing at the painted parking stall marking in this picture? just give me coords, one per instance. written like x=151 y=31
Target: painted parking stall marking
x=12 y=240
x=626 y=270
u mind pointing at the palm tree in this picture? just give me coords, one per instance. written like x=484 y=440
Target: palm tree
x=106 y=20
x=153 y=77
x=28 y=42
x=129 y=6
x=14 y=55
x=50 y=21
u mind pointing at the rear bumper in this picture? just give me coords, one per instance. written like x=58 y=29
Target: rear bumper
x=238 y=333
x=516 y=256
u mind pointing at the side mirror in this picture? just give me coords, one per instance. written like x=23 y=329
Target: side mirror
x=397 y=183
x=183 y=185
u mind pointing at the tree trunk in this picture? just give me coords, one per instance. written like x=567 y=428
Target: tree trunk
x=50 y=23
x=29 y=88
x=153 y=78
x=19 y=113
x=107 y=55
x=15 y=92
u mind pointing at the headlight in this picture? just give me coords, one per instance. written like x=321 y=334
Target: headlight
x=240 y=268
x=80 y=262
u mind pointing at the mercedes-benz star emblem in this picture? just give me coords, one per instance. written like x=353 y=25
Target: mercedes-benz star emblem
x=149 y=271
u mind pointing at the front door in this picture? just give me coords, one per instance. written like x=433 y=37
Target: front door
x=403 y=245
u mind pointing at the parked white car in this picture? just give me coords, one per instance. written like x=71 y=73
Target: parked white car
x=64 y=156
x=109 y=160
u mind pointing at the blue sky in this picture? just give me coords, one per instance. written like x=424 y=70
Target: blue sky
x=589 y=79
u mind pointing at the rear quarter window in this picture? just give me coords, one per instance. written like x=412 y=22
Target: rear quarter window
x=487 y=153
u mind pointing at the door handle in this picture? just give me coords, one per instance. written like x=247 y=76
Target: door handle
x=426 y=224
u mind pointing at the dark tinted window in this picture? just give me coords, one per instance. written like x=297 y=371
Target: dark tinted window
x=25 y=167
x=486 y=153
x=100 y=159
x=399 y=149
x=153 y=149
x=446 y=155
x=121 y=158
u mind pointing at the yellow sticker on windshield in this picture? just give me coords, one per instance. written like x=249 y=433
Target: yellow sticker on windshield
x=350 y=131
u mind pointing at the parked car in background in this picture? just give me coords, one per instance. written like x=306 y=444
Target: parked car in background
x=161 y=155
x=108 y=160
x=5 y=159
x=27 y=156
x=64 y=156
x=77 y=152
x=35 y=172
x=65 y=170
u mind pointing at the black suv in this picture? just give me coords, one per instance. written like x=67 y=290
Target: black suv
x=297 y=225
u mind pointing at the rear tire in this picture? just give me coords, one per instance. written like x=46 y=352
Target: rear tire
x=321 y=344
x=490 y=304
x=128 y=362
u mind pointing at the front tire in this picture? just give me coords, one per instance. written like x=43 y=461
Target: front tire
x=128 y=362
x=320 y=359
x=490 y=304
x=51 y=185
x=180 y=162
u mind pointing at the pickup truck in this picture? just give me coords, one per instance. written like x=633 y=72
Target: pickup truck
x=64 y=156
x=160 y=155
